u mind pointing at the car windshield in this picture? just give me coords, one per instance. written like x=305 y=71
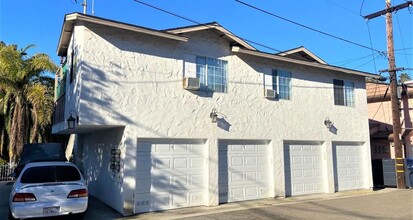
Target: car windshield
x=45 y=174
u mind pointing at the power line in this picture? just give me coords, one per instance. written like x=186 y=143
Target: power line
x=402 y=40
x=381 y=103
x=371 y=45
x=407 y=48
x=230 y=34
x=351 y=60
x=340 y=6
x=199 y=23
x=361 y=8
x=307 y=27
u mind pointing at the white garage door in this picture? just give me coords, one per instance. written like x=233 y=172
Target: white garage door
x=244 y=171
x=349 y=167
x=304 y=173
x=169 y=175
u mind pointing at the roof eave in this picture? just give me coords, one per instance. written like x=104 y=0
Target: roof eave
x=300 y=62
x=212 y=25
x=70 y=19
x=303 y=49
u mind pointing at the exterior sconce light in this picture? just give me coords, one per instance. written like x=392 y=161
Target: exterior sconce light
x=71 y=121
x=213 y=115
x=328 y=123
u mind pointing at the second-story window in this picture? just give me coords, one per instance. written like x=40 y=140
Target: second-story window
x=343 y=92
x=281 y=82
x=212 y=74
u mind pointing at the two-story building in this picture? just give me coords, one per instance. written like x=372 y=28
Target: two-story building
x=196 y=116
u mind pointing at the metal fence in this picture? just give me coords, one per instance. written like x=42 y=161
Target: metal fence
x=5 y=171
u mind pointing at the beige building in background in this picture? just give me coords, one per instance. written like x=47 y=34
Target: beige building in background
x=380 y=120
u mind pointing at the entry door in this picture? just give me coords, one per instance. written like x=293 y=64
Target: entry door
x=244 y=171
x=304 y=173
x=349 y=167
x=170 y=174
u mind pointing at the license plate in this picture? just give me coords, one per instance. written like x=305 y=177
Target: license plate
x=51 y=210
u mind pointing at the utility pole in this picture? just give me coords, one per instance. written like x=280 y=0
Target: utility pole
x=395 y=105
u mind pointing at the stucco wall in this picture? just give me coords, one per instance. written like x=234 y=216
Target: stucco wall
x=103 y=183
x=135 y=80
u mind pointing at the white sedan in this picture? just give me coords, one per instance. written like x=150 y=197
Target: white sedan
x=48 y=189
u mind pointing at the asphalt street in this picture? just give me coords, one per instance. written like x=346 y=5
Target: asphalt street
x=387 y=203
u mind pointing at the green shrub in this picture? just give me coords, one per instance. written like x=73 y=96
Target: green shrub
x=2 y=161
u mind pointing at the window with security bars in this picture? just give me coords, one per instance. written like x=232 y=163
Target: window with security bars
x=281 y=82
x=212 y=74
x=343 y=92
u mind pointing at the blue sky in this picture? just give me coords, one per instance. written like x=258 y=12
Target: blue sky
x=25 y=22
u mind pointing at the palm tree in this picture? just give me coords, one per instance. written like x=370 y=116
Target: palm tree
x=26 y=97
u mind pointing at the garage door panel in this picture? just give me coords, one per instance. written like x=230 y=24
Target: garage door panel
x=142 y=185
x=143 y=163
x=162 y=148
x=196 y=162
x=236 y=177
x=180 y=163
x=263 y=177
x=251 y=192
x=170 y=175
x=243 y=172
x=237 y=161
x=349 y=167
x=304 y=173
x=250 y=161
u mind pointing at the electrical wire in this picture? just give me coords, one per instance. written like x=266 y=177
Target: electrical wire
x=381 y=104
x=199 y=23
x=344 y=62
x=304 y=26
x=361 y=8
x=372 y=60
x=371 y=45
x=402 y=40
x=340 y=6
x=230 y=34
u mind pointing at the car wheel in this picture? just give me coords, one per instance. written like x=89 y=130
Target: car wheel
x=11 y=216
x=81 y=216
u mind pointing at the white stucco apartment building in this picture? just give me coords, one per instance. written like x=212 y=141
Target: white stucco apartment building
x=286 y=124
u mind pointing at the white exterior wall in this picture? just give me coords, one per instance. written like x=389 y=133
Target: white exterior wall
x=135 y=81
x=103 y=183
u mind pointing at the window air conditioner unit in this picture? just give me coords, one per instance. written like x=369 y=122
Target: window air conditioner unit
x=191 y=83
x=269 y=93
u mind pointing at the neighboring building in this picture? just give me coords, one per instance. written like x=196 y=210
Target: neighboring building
x=286 y=124
x=381 y=120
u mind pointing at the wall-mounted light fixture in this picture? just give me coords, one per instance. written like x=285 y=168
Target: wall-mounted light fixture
x=328 y=123
x=71 y=121
x=213 y=115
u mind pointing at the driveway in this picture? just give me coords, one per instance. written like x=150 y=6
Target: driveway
x=363 y=204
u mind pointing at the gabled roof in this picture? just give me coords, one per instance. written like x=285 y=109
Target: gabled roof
x=301 y=62
x=303 y=54
x=214 y=26
x=298 y=55
x=71 y=19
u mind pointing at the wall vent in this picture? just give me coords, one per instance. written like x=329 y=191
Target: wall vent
x=191 y=83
